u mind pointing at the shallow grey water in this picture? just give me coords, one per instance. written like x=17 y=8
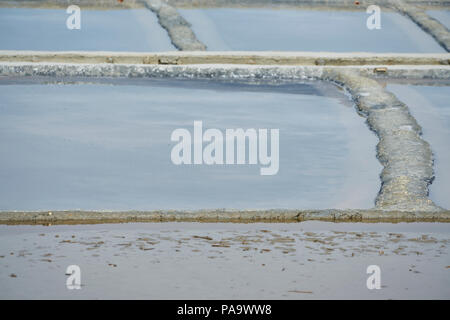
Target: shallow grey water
x=443 y=16
x=103 y=146
x=105 y=30
x=430 y=106
x=308 y=260
x=295 y=30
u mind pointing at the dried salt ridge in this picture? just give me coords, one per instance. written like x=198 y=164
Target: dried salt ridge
x=406 y=157
x=179 y=30
x=341 y=4
x=338 y=4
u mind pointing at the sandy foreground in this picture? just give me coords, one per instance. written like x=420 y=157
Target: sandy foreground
x=307 y=260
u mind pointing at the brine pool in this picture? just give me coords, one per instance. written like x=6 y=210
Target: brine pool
x=219 y=29
x=101 y=30
x=307 y=30
x=106 y=145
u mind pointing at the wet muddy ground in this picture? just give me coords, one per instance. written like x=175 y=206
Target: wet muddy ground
x=306 y=260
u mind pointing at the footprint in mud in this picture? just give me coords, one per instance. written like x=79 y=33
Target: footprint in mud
x=300 y=291
x=145 y=248
x=202 y=237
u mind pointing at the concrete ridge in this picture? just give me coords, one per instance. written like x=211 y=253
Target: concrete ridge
x=234 y=216
x=111 y=4
x=333 y=4
x=232 y=57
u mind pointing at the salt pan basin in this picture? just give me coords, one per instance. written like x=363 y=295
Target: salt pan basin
x=107 y=145
x=430 y=106
x=295 y=30
x=105 y=30
x=308 y=260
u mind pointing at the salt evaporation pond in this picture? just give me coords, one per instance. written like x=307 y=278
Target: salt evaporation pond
x=308 y=260
x=430 y=106
x=107 y=146
x=101 y=30
x=443 y=16
x=309 y=30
